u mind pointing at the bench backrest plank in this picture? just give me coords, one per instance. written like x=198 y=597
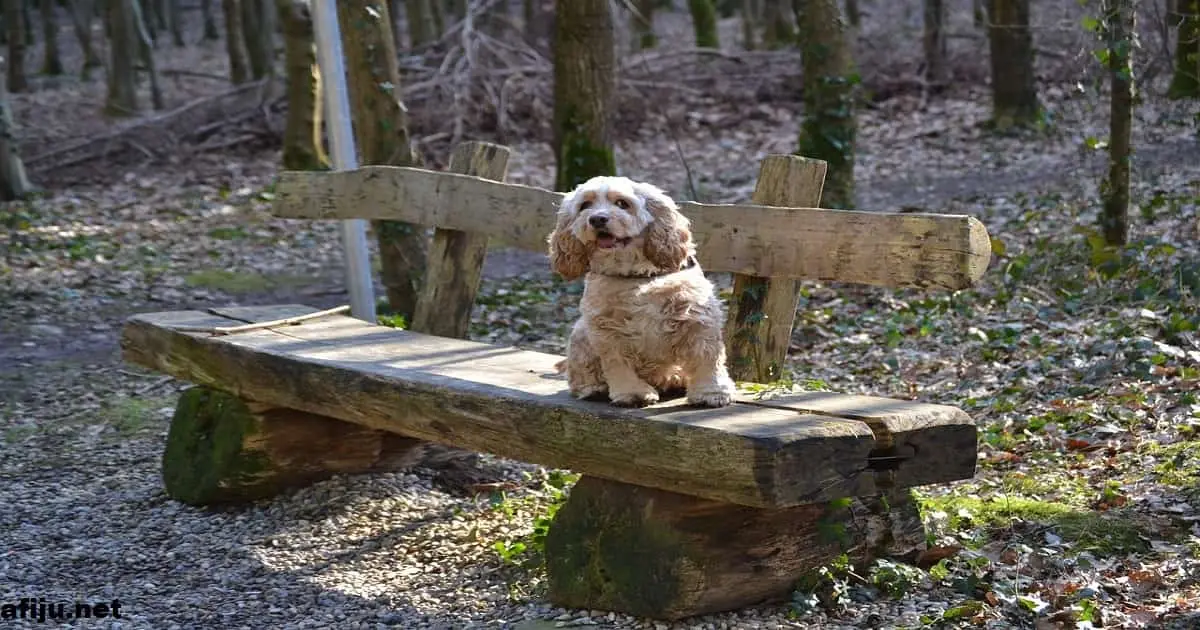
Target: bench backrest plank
x=873 y=248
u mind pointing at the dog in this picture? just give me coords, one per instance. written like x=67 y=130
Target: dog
x=650 y=321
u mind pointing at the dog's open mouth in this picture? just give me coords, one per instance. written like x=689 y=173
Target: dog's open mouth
x=606 y=240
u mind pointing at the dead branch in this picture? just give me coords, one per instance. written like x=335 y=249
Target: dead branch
x=287 y=321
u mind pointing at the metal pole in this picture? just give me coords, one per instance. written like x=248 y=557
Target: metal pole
x=332 y=65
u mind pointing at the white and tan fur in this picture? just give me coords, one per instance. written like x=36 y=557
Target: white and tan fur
x=638 y=334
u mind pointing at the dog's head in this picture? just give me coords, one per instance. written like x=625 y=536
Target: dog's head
x=616 y=226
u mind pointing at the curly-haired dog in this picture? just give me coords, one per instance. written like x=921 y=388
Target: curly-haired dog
x=649 y=320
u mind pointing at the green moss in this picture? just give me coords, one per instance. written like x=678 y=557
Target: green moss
x=704 y=23
x=206 y=448
x=1105 y=532
x=132 y=415
x=238 y=282
x=603 y=553
x=579 y=157
x=1178 y=464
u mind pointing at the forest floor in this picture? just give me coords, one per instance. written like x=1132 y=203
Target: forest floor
x=1080 y=367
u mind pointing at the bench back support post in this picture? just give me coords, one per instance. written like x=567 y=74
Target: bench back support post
x=758 y=329
x=455 y=263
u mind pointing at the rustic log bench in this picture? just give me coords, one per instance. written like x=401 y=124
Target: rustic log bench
x=680 y=510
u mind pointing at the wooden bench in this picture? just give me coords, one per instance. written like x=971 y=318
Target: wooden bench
x=679 y=510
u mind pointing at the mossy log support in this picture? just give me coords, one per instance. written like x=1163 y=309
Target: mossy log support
x=455 y=265
x=759 y=326
x=222 y=449
x=1014 y=85
x=663 y=555
x=584 y=84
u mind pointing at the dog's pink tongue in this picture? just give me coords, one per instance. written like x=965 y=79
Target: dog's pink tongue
x=606 y=241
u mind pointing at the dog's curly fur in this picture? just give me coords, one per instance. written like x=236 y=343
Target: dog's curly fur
x=646 y=326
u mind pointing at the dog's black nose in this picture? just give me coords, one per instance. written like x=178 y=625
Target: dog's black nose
x=598 y=221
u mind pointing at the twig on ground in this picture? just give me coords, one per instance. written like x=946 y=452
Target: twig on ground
x=287 y=321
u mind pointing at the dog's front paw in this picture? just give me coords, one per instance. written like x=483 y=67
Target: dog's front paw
x=584 y=392
x=639 y=398
x=716 y=394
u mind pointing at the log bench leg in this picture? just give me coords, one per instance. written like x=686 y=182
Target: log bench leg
x=222 y=449
x=658 y=554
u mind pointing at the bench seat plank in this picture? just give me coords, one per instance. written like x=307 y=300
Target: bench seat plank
x=511 y=403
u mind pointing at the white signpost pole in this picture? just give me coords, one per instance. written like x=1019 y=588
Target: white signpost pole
x=332 y=65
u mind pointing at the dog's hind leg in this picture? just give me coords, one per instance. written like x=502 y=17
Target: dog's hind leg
x=585 y=376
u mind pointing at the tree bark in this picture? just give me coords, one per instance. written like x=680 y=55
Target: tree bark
x=1120 y=23
x=750 y=13
x=1014 y=87
x=13 y=182
x=82 y=14
x=853 y=15
x=778 y=31
x=935 y=41
x=14 y=22
x=300 y=135
x=584 y=82
x=643 y=25
x=381 y=132
x=52 y=61
x=210 y=21
x=123 y=50
x=1185 y=82
x=146 y=50
x=175 y=21
x=234 y=38
x=704 y=23
x=420 y=22
x=258 y=29
x=829 y=128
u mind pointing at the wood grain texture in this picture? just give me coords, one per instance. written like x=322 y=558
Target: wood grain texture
x=916 y=443
x=455 y=265
x=758 y=329
x=882 y=249
x=510 y=403
x=222 y=449
x=664 y=555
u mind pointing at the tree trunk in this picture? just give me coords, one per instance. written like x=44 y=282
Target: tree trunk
x=1014 y=90
x=82 y=14
x=175 y=21
x=1185 y=82
x=828 y=129
x=935 y=41
x=210 y=21
x=123 y=49
x=381 y=132
x=643 y=25
x=853 y=14
x=52 y=62
x=750 y=12
x=420 y=22
x=704 y=22
x=258 y=30
x=13 y=182
x=234 y=39
x=300 y=135
x=1120 y=23
x=979 y=13
x=778 y=31
x=584 y=80
x=14 y=22
x=146 y=48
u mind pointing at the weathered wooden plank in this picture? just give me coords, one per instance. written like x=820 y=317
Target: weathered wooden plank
x=884 y=249
x=758 y=330
x=916 y=443
x=455 y=265
x=512 y=403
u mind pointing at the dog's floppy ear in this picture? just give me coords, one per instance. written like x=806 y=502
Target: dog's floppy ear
x=568 y=255
x=669 y=236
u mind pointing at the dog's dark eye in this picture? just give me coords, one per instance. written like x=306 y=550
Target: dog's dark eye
x=585 y=205
x=622 y=204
